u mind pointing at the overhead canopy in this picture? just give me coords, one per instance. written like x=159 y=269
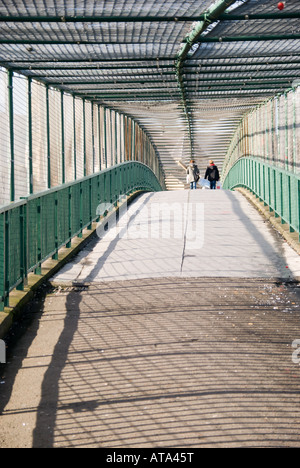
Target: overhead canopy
x=186 y=71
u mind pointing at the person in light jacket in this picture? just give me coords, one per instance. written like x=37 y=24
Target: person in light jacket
x=193 y=174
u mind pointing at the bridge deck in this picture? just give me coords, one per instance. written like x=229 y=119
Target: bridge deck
x=198 y=354
x=185 y=234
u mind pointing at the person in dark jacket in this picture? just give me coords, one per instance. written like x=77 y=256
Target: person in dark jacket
x=212 y=174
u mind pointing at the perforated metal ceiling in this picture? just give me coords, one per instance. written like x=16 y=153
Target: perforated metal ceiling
x=124 y=54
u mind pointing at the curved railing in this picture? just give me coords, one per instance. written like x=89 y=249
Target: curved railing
x=276 y=187
x=36 y=227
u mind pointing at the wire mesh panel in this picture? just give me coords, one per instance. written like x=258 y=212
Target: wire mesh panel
x=5 y=140
x=89 y=142
x=297 y=129
x=79 y=132
x=39 y=137
x=103 y=154
x=108 y=133
x=55 y=122
x=69 y=138
x=282 y=144
x=290 y=131
x=272 y=133
x=21 y=142
x=96 y=138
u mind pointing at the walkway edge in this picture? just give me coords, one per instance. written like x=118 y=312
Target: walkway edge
x=18 y=299
x=292 y=238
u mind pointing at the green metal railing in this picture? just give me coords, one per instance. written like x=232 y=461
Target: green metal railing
x=277 y=188
x=35 y=228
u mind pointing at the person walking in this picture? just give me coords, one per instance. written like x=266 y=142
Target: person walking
x=193 y=174
x=212 y=174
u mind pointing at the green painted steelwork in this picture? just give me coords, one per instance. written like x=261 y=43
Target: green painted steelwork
x=30 y=148
x=11 y=132
x=279 y=189
x=144 y=19
x=63 y=139
x=35 y=228
x=268 y=37
x=212 y=15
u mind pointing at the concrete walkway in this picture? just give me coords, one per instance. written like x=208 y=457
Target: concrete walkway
x=185 y=234
x=167 y=340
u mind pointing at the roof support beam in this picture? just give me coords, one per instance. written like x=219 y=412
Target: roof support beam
x=270 y=37
x=280 y=79
x=146 y=19
x=212 y=15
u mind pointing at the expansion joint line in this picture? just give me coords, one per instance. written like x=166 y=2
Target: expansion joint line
x=210 y=16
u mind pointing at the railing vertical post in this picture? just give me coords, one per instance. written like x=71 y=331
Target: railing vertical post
x=281 y=199
x=294 y=131
x=269 y=189
x=69 y=243
x=99 y=137
x=11 y=131
x=105 y=136
x=275 y=195
x=55 y=255
x=286 y=156
x=38 y=269
x=80 y=209
x=74 y=136
x=63 y=138
x=90 y=205
x=6 y=262
x=20 y=287
x=93 y=136
x=84 y=139
x=298 y=200
x=30 y=147
x=116 y=138
x=291 y=229
x=48 y=136
x=111 y=137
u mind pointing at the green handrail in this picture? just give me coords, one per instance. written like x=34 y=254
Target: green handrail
x=34 y=229
x=277 y=188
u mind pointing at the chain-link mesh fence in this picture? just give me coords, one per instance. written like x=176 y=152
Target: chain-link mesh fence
x=48 y=137
x=271 y=132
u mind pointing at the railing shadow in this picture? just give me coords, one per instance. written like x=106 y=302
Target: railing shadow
x=157 y=363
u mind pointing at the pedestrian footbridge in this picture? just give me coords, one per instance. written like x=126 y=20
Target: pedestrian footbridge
x=138 y=313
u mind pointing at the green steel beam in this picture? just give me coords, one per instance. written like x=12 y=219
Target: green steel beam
x=84 y=139
x=98 y=97
x=70 y=42
x=143 y=19
x=74 y=138
x=230 y=64
x=202 y=72
x=210 y=16
x=280 y=78
x=115 y=76
x=48 y=136
x=90 y=60
x=141 y=81
x=259 y=38
x=11 y=132
x=63 y=138
x=30 y=146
